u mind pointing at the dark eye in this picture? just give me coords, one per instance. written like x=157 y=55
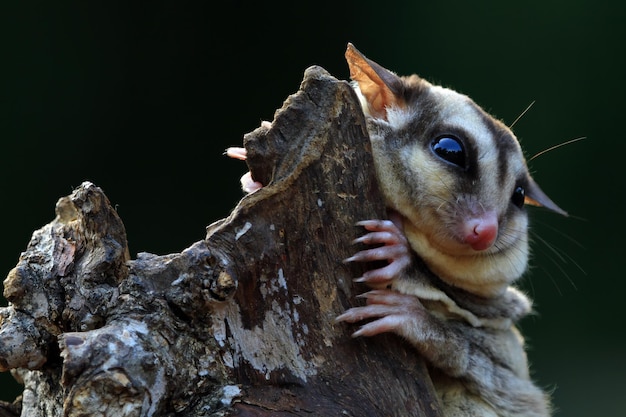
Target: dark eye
x=450 y=149
x=518 y=196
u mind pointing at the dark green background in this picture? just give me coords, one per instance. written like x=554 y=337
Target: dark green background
x=143 y=98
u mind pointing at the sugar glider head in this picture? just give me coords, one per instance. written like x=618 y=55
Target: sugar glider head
x=456 y=174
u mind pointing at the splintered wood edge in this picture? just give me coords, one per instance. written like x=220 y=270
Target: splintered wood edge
x=318 y=128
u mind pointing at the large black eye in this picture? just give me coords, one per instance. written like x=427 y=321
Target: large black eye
x=518 y=196
x=450 y=149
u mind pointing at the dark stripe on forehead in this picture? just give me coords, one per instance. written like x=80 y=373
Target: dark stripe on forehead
x=427 y=111
x=506 y=150
x=412 y=88
x=504 y=141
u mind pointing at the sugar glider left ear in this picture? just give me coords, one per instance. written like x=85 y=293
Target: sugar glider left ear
x=536 y=197
x=380 y=87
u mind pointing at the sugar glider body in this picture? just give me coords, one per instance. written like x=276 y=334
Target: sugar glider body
x=456 y=184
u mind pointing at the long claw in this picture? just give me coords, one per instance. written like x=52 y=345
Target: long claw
x=389 y=309
x=383 y=325
x=395 y=251
x=237 y=153
x=382 y=253
x=385 y=237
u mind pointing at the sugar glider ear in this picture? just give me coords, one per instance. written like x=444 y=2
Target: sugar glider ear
x=380 y=87
x=536 y=197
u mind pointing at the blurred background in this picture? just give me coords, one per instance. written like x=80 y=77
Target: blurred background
x=142 y=98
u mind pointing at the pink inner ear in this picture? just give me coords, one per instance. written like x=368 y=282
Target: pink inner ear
x=374 y=88
x=378 y=100
x=375 y=91
x=531 y=202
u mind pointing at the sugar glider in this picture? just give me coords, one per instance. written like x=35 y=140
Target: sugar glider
x=456 y=184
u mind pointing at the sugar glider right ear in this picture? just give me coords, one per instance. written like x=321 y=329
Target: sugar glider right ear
x=380 y=88
x=536 y=197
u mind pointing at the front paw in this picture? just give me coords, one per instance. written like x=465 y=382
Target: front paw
x=395 y=250
x=393 y=312
x=248 y=184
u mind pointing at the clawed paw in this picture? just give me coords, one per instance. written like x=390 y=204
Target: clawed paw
x=395 y=250
x=237 y=153
x=247 y=183
x=391 y=311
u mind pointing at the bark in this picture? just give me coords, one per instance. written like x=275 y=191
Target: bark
x=238 y=324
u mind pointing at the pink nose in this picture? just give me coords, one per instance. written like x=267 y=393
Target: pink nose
x=480 y=232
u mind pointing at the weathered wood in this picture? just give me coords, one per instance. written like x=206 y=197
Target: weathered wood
x=241 y=323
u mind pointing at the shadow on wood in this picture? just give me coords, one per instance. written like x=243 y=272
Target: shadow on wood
x=241 y=323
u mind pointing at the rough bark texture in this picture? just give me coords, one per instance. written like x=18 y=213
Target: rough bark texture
x=241 y=323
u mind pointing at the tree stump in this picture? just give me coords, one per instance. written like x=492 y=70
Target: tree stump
x=239 y=324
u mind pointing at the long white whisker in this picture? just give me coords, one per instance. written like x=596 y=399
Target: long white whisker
x=522 y=114
x=558 y=289
x=565 y=235
x=560 y=257
x=556 y=146
x=552 y=249
x=561 y=254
